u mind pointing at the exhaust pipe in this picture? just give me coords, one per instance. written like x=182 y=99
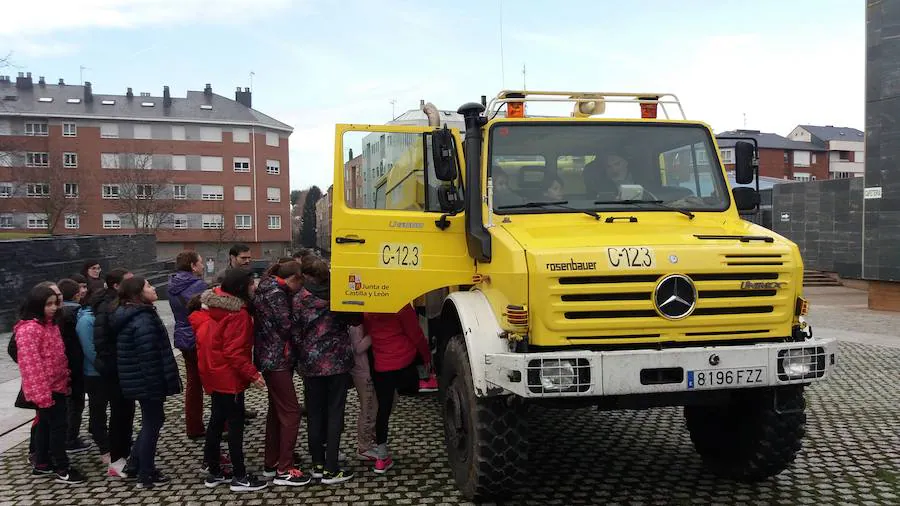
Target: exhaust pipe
x=433 y=114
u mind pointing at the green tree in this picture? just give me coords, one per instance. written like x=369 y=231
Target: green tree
x=295 y=196
x=308 y=230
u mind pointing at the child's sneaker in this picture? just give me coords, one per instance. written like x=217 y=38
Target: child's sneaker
x=41 y=471
x=116 y=469
x=329 y=478
x=318 y=471
x=248 y=483
x=428 y=385
x=291 y=478
x=78 y=446
x=224 y=462
x=70 y=477
x=269 y=472
x=159 y=478
x=383 y=465
x=220 y=478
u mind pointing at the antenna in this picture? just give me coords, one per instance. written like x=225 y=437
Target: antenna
x=251 y=79
x=745 y=120
x=393 y=109
x=502 y=59
x=524 y=86
x=81 y=70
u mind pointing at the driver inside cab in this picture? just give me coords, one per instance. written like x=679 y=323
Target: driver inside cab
x=605 y=175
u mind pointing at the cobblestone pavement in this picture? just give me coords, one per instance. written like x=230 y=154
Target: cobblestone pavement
x=851 y=455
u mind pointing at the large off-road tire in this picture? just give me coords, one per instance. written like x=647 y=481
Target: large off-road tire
x=756 y=436
x=485 y=437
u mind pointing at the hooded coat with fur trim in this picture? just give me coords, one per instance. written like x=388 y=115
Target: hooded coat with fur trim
x=224 y=330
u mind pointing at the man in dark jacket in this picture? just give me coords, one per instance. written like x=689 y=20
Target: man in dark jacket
x=183 y=285
x=121 y=409
x=75 y=400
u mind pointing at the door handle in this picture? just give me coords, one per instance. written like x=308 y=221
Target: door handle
x=347 y=240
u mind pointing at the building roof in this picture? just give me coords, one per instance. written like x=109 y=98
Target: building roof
x=833 y=133
x=417 y=116
x=765 y=182
x=766 y=141
x=16 y=102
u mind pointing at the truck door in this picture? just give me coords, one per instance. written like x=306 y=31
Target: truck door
x=397 y=231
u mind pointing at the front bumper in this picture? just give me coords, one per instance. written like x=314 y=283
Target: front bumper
x=603 y=373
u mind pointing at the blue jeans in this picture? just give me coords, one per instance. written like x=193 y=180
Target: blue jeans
x=143 y=453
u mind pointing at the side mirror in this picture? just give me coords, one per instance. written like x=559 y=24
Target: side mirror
x=443 y=150
x=745 y=198
x=743 y=163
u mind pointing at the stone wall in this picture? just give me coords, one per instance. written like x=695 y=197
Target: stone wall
x=27 y=262
x=824 y=218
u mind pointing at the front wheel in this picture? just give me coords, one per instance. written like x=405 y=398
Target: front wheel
x=755 y=436
x=485 y=437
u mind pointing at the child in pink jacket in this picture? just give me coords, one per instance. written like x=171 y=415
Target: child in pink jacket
x=41 y=356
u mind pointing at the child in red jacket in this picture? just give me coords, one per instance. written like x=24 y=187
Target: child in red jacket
x=224 y=331
x=45 y=380
x=397 y=344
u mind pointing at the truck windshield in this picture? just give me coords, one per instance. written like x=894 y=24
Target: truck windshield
x=604 y=167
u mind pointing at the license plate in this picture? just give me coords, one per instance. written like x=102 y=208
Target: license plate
x=716 y=378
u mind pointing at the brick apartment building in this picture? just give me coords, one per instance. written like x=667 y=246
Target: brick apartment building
x=323 y=220
x=809 y=152
x=353 y=181
x=199 y=172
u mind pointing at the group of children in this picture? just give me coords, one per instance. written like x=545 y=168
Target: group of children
x=238 y=334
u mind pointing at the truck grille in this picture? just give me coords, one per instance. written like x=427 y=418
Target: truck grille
x=620 y=306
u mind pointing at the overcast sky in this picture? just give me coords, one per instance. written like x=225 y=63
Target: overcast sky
x=317 y=63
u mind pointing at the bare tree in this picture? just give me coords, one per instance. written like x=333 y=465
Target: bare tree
x=44 y=184
x=145 y=195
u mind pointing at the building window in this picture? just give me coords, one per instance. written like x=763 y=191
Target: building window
x=71 y=190
x=241 y=164
x=70 y=160
x=109 y=130
x=787 y=158
x=109 y=161
x=212 y=222
x=273 y=194
x=212 y=192
x=242 y=193
x=142 y=132
x=37 y=190
x=110 y=191
x=73 y=222
x=272 y=139
x=243 y=221
x=727 y=156
x=812 y=158
x=179 y=162
x=70 y=130
x=273 y=167
x=801 y=158
x=211 y=163
x=143 y=191
x=180 y=222
x=37 y=221
x=274 y=222
x=178 y=133
x=37 y=159
x=6 y=221
x=801 y=176
x=211 y=134
x=36 y=129
x=844 y=156
x=6 y=190
x=240 y=135
x=179 y=192
x=112 y=222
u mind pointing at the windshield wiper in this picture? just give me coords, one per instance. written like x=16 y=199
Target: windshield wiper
x=657 y=203
x=557 y=203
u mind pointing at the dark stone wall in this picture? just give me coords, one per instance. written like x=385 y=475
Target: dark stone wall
x=882 y=227
x=824 y=218
x=27 y=262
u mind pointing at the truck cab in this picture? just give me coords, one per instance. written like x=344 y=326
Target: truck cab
x=582 y=259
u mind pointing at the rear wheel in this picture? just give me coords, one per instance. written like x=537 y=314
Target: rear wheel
x=485 y=437
x=754 y=437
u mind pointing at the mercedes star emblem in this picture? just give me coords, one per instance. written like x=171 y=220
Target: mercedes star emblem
x=675 y=297
x=673 y=259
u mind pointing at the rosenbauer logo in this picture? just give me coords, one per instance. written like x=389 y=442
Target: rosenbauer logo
x=572 y=265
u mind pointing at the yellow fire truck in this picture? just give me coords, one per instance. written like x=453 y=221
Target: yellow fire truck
x=583 y=259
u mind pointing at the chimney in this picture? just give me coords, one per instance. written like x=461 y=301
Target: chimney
x=244 y=97
x=208 y=90
x=88 y=93
x=129 y=94
x=167 y=97
x=421 y=104
x=61 y=82
x=23 y=82
x=351 y=154
x=42 y=82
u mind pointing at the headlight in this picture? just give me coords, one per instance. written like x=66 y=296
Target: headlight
x=558 y=375
x=801 y=363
